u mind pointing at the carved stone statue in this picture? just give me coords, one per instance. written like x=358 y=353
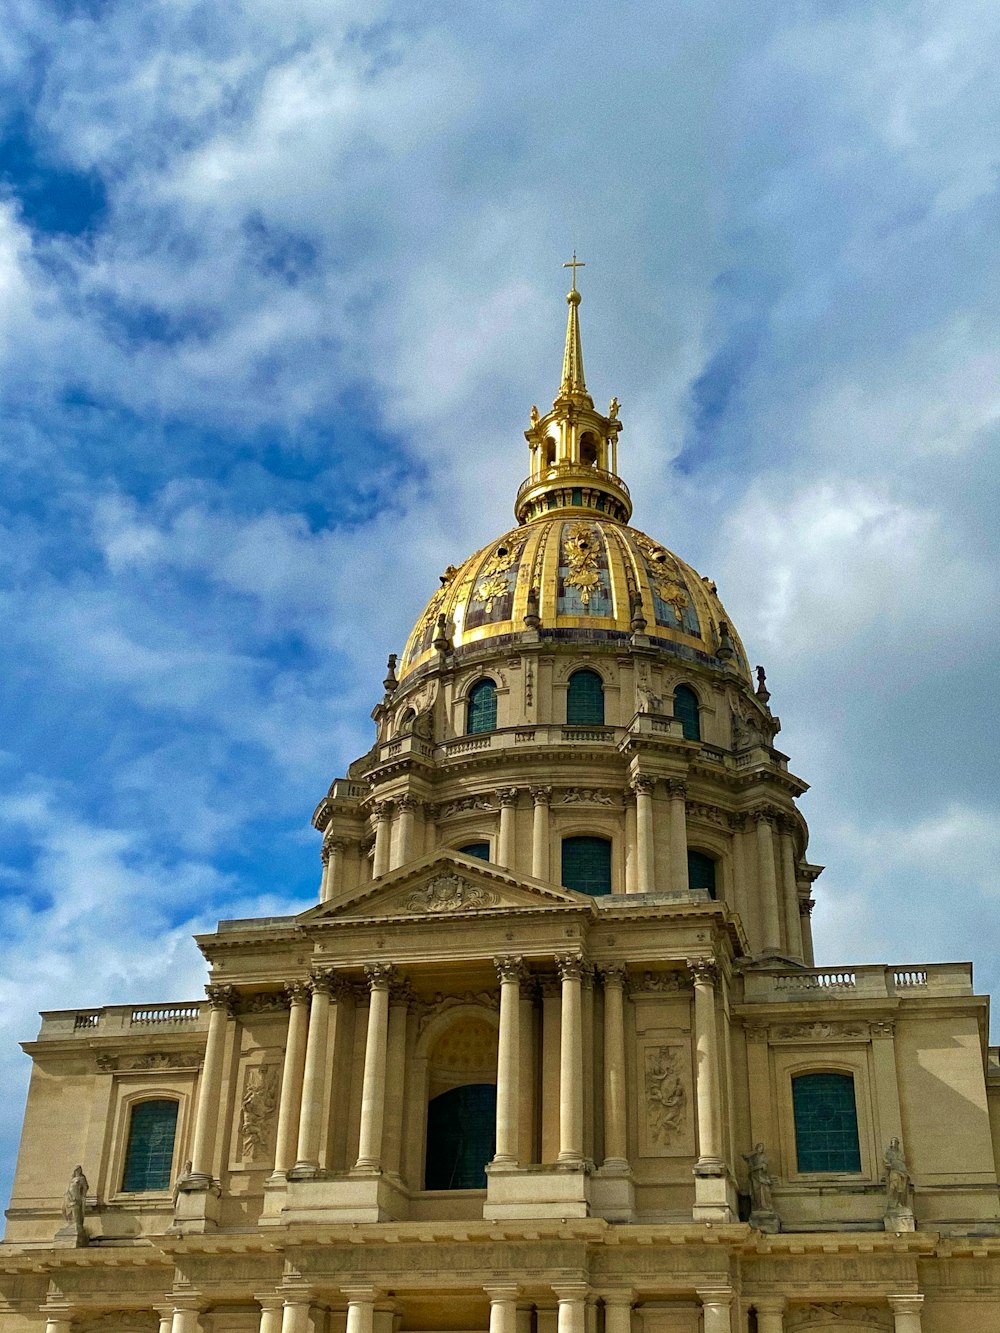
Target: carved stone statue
x=762 y=1214
x=534 y=415
x=75 y=1204
x=897 y=1179
x=613 y=409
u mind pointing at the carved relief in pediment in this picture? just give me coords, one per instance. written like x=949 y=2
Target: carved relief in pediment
x=449 y=893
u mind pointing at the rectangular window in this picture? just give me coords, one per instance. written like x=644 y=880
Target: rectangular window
x=150 y=1152
x=826 y=1123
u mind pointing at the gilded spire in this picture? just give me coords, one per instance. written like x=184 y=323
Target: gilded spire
x=573 y=383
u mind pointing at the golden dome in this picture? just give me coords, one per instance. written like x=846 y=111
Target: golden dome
x=574 y=569
x=596 y=580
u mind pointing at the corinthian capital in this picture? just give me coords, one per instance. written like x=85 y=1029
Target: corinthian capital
x=222 y=997
x=571 y=966
x=510 y=967
x=705 y=971
x=379 y=975
x=541 y=795
x=642 y=784
x=508 y=795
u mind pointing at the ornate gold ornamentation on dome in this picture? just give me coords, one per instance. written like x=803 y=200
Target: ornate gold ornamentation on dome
x=582 y=554
x=664 y=576
x=493 y=574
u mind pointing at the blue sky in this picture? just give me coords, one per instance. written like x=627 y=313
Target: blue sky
x=278 y=286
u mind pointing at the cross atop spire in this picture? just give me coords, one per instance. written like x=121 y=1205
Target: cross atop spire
x=574 y=264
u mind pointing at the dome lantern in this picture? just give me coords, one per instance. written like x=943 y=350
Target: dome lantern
x=573 y=448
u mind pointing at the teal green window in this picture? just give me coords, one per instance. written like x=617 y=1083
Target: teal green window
x=686 y=712
x=150 y=1152
x=482 y=707
x=477 y=849
x=701 y=872
x=586 y=865
x=826 y=1123
x=461 y=1137
x=585 y=699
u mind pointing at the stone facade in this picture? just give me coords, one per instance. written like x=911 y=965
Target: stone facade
x=643 y=1043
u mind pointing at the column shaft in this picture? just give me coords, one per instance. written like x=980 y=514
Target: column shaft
x=615 y=1123
x=572 y=1309
x=767 y=881
x=270 y=1314
x=56 y=1323
x=805 y=916
x=508 y=813
x=716 y=1307
x=399 y=1008
x=185 y=1320
x=295 y=1317
x=210 y=1086
x=406 y=832
x=645 y=848
x=314 y=1075
x=631 y=846
x=906 y=1312
x=290 y=1102
x=571 y=1062
x=790 y=896
x=373 y=1087
x=540 y=833
x=383 y=838
x=706 y=1064
x=617 y=1313
x=360 y=1310
x=503 y=1309
x=508 y=1059
x=678 y=838
x=770 y=1314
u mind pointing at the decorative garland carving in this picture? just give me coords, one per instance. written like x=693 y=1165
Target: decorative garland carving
x=660 y=983
x=494 y=575
x=108 y=1064
x=450 y=893
x=467 y=803
x=820 y=1031
x=838 y=1312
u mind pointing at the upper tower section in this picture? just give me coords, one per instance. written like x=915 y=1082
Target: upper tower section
x=574 y=448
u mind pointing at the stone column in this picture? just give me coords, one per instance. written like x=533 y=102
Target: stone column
x=360 y=1309
x=806 y=906
x=58 y=1323
x=618 y=1311
x=270 y=1314
x=373 y=1088
x=290 y=1102
x=383 y=837
x=572 y=1297
x=526 y=1082
x=741 y=873
x=186 y=1320
x=678 y=836
x=906 y=1312
x=314 y=1076
x=631 y=844
x=767 y=882
x=615 y=1108
x=333 y=867
x=770 y=1314
x=705 y=974
x=165 y=1315
x=716 y=1305
x=507 y=797
x=503 y=1308
x=549 y=987
x=510 y=971
x=571 y=1062
x=789 y=889
x=295 y=1314
x=406 y=834
x=645 y=851
x=400 y=998
x=221 y=1000
x=541 y=796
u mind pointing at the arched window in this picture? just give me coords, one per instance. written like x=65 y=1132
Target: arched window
x=482 y=708
x=586 y=865
x=477 y=849
x=686 y=712
x=585 y=699
x=461 y=1137
x=150 y=1152
x=826 y=1123
x=701 y=872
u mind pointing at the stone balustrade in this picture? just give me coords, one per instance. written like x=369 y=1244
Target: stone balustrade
x=865 y=983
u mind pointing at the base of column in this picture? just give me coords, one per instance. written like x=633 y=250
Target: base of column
x=612 y=1192
x=361 y=1197
x=514 y=1192
x=303 y=1171
x=197 y=1208
x=715 y=1198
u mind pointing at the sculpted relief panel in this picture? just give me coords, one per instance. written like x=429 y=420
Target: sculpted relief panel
x=665 y=1125
x=258 y=1108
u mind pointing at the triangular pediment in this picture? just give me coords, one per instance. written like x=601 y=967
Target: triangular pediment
x=446 y=883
